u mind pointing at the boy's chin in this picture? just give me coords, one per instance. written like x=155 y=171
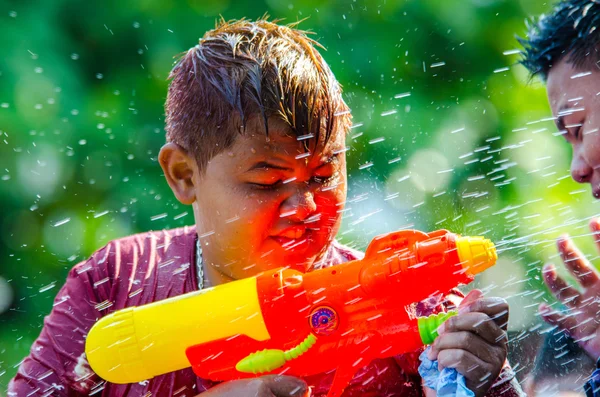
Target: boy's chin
x=295 y=254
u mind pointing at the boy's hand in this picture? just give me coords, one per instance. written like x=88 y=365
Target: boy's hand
x=474 y=342
x=265 y=386
x=581 y=321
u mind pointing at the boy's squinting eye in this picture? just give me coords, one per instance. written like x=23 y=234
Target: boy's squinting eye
x=266 y=186
x=320 y=179
x=264 y=176
x=324 y=174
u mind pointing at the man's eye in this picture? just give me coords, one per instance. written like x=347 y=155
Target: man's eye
x=574 y=130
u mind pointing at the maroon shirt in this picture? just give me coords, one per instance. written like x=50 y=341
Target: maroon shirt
x=148 y=267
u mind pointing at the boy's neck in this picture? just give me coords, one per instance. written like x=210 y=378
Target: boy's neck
x=213 y=274
x=213 y=277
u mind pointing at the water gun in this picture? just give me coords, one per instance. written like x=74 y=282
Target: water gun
x=286 y=322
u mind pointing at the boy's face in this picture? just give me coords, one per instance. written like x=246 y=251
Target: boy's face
x=263 y=203
x=574 y=95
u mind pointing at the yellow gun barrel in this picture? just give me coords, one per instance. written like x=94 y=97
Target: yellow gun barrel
x=138 y=343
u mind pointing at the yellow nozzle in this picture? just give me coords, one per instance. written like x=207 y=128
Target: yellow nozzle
x=476 y=254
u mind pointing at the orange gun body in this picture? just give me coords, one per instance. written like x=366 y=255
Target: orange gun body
x=357 y=310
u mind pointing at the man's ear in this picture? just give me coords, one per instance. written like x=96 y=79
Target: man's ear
x=179 y=169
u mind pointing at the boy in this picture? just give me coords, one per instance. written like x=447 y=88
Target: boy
x=256 y=144
x=562 y=48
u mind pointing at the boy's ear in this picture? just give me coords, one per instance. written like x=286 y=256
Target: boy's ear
x=179 y=169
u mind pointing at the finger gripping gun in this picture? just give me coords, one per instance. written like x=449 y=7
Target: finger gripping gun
x=287 y=322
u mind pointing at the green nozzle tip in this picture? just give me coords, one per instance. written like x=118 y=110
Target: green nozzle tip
x=428 y=325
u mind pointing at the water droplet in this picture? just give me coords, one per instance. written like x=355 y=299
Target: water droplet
x=61 y=222
x=48 y=287
x=159 y=216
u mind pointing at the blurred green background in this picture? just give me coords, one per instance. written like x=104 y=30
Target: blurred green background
x=448 y=133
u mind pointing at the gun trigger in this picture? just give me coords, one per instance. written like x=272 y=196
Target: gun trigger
x=343 y=376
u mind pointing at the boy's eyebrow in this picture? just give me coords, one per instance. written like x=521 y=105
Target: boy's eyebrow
x=264 y=165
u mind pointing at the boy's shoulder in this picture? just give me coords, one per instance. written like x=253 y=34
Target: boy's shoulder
x=141 y=268
x=347 y=251
x=339 y=253
x=160 y=239
x=145 y=246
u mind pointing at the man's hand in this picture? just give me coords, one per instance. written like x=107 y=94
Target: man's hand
x=474 y=342
x=265 y=386
x=582 y=319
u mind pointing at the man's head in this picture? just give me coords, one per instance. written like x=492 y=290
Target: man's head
x=256 y=142
x=560 y=369
x=563 y=48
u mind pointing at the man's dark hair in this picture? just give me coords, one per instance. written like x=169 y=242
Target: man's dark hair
x=558 y=357
x=242 y=69
x=570 y=30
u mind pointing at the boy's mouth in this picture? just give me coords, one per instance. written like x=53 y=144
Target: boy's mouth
x=291 y=236
x=295 y=232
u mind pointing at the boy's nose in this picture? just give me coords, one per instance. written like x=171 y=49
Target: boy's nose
x=581 y=171
x=300 y=205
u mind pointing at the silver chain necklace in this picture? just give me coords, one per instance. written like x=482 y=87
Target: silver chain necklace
x=199 y=269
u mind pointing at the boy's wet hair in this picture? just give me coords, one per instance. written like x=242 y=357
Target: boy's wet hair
x=571 y=30
x=243 y=69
